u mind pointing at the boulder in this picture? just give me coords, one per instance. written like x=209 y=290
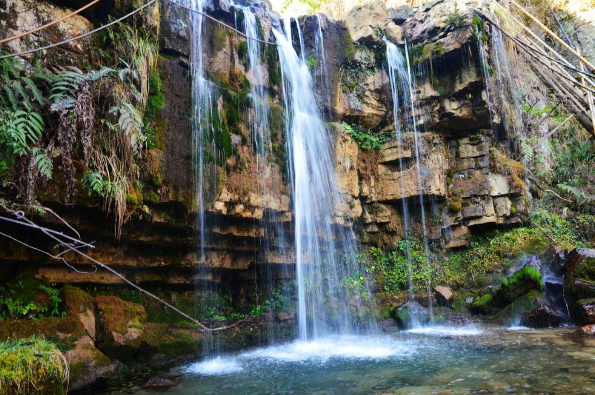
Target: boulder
x=87 y=364
x=545 y=314
x=585 y=309
x=510 y=315
x=79 y=304
x=119 y=325
x=388 y=325
x=586 y=331
x=411 y=314
x=365 y=21
x=19 y=16
x=400 y=14
x=444 y=295
x=580 y=273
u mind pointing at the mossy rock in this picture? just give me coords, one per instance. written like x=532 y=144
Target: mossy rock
x=69 y=327
x=31 y=366
x=527 y=279
x=585 y=309
x=511 y=313
x=581 y=264
x=165 y=342
x=410 y=314
x=76 y=300
x=119 y=326
x=459 y=303
x=482 y=304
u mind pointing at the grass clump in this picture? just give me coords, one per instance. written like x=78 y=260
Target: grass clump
x=32 y=365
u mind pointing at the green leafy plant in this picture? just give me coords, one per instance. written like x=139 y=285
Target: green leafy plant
x=365 y=138
x=55 y=300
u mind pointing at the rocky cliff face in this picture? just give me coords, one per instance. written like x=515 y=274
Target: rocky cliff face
x=468 y=179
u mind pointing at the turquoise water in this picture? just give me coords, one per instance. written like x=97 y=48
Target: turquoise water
x=426 y=361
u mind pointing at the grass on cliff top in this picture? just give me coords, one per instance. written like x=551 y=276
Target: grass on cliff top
x=32 y=365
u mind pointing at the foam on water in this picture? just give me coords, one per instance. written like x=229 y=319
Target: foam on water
x=320 y=350
x=216 y=366
x=518 y=328
x=344 y=347
x=447 y=331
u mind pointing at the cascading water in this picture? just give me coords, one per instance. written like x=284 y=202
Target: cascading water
x=273 y=239
x=321 y=55
x=204 y=146
x=400 y=72
x=325 y=252
x=397 y=73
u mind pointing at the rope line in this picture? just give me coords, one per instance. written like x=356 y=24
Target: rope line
x=80 y=36
x=49 y=24
x=221 y=23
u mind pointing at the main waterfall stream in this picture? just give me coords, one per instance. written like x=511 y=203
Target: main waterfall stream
x=325 y=251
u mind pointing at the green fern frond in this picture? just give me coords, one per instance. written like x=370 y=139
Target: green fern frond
x=43 y=162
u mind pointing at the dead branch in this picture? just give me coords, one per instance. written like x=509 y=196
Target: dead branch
x=74 y=245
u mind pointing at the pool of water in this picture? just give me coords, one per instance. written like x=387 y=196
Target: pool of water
x=439 y=360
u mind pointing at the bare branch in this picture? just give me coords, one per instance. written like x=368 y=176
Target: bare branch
x=21 y=220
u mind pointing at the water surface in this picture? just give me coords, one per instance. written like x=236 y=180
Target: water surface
x=468 y=360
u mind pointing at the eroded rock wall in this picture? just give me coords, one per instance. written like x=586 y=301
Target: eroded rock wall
x=468 y=180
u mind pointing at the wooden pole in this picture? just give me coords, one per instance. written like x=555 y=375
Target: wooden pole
x=551 y=33
x=589 y=96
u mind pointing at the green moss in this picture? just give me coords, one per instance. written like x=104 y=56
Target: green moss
x=274 y=68
x=482 y=305
x=523 y=281
x=31 y=365
x=459 y=303
x=243 y=50
x=586 y=270
x=155 y=103
x=177 y=344
x=218 y=37
x=132 y=199
x=155 y=84
x=350 y=48
x=455 y=205
x=76 y=370
x=523 y=304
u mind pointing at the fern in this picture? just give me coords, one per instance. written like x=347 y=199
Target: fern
x=43 y=162
x=130 y=123
x=93 y=183
x=581 y=197
x=19 y=130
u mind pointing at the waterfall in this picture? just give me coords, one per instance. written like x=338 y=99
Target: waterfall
x=326 y=265
x=397 y=72
x=400 y=71
x=320 y=54
x=205 y=156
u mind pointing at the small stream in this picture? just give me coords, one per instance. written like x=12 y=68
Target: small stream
x=438 y=360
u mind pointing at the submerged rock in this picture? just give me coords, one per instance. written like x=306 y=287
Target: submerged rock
x=163 y=381
x=410 y=314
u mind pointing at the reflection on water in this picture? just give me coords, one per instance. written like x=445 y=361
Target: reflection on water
x=422 y=362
